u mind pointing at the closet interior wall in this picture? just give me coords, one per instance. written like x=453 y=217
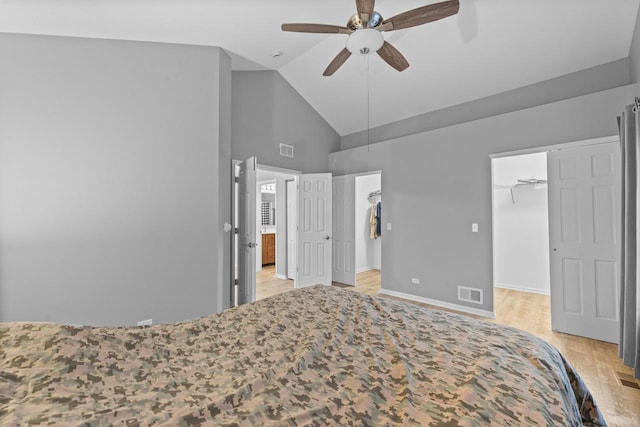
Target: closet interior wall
x=521 y=223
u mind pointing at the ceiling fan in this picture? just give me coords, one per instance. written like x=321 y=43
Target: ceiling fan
x=365 y=31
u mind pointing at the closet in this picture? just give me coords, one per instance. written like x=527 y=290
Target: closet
x=369 y=212
x=521 y=223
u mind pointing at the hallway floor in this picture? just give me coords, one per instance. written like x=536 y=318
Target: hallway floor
x=267 y=284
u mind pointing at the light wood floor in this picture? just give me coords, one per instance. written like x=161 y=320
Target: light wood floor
x=267 y=284
x=597 y=362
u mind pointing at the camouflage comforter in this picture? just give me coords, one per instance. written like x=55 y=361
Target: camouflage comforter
x=317 y=356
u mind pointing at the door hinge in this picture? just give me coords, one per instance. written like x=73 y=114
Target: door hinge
x=236 y=179
x=236 y=230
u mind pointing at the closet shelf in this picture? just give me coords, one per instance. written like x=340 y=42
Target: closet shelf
x=535 y=182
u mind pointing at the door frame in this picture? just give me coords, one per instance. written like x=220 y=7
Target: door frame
x=236 y=282
x=234 y=209
x=337 y=237
x=296 y=177
x=533 y=150
x=361 y=175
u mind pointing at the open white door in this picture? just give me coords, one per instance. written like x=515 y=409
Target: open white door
x=246 y=231
x=292 y=228
x=314 y=230
x=344 y=233
x=584 y=227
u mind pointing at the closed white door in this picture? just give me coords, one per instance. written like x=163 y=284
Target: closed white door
x=344 y=248
x=584 y=227
x=314 y=230
x=246 y=231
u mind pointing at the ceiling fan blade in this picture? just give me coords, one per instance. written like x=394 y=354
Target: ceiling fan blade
x=421 y=15
x=393 y=57
x=316 y=28
x=365 y=9
x=337 y=62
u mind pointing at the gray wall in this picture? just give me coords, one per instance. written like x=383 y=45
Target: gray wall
x=267 y=111
x=437 y=183
x=634 y=52
x=221 y=128
x=110 y=186
x=591 y=80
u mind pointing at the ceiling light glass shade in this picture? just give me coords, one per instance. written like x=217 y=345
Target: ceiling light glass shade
x=365 y=41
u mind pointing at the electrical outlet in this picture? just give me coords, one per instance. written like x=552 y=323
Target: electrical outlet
x=474 y=227
x=415 y=281
x=146 y=322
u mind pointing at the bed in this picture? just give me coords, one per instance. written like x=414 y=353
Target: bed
x=315 y=356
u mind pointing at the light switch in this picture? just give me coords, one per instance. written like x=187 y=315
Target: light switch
x=388 y=226
x=474 y=227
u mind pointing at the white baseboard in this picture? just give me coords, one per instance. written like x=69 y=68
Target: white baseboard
x=282 y=276
x=450 y=306
x=522 y=288
x=367 y=268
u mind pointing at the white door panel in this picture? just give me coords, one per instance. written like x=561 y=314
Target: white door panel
x=314 y=230
x=246 y=231
x=292 y=215
x=344 y=250
x=584 y=199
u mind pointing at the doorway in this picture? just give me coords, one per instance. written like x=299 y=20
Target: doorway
x=578 y=252
x=275 y=256
x=358 y=230
x=521 y=223
x=368 y=226
x=311 y=207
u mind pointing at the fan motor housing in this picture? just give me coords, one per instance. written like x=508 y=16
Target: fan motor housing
x=356 y=23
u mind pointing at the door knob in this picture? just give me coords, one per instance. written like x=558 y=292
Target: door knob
x=252 y=245
x=326 y=237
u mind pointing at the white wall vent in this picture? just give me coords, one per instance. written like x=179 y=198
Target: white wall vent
x=286 y=150
x=473 y=295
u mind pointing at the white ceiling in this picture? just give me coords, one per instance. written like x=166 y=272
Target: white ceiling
x=491 y=46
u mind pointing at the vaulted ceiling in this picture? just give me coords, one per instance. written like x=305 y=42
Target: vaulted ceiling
x=489 y=47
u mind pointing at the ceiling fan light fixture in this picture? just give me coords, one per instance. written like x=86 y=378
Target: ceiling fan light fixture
x=365 y=29
x=365 y=41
